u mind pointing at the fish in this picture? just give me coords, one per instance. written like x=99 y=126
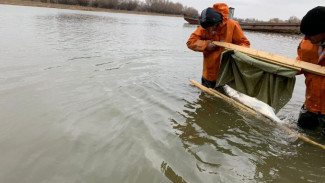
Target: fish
x=253 y=103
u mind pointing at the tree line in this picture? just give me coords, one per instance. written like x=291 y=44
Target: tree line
x=153 y=6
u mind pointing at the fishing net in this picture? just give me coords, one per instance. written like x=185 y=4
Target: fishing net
x=270 y=83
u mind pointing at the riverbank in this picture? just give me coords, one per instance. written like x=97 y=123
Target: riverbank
x=75 y=7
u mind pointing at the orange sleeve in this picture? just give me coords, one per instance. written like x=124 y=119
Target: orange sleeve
x=299 y=52
x=196 y=41
x=239 y=38
x=299 y=57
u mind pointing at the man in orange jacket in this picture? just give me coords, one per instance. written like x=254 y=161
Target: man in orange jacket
x=312 y=49
x=215 y=26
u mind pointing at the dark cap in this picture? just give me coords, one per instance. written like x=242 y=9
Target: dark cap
x=210 y=17
x=313 y=22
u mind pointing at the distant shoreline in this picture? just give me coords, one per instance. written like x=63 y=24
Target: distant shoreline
x=75 y=7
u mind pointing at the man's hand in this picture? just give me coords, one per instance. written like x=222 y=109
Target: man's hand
x=211 y=47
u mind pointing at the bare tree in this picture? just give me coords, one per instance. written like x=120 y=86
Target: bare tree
x=110 y=4
x=156 y=6
x=128 y=5
x=251 y=20
x=293 y=19
x=275 y=20
x=190 y=11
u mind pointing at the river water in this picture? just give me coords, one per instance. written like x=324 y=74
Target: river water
x=105 y=97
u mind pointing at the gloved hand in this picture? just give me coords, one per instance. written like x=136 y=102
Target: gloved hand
x=211 y=47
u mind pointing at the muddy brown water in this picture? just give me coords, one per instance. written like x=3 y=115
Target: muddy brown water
x=106 y=97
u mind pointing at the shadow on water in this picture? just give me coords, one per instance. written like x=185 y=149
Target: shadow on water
x=170 y=174
x=235 y=146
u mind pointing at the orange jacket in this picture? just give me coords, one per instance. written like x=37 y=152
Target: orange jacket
x=228 y=31
x=315 y=84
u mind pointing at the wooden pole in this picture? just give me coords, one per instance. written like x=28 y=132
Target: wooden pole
x=275 y=59
x=254 y=113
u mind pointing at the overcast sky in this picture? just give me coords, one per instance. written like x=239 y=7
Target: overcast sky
x=260 y=9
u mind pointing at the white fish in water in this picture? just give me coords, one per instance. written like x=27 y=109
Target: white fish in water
x=252 y=103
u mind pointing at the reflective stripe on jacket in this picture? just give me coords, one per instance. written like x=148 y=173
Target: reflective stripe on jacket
x=315 y=84
x=228 y=31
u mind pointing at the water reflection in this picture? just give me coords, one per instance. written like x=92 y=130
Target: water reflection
x=224 y=139
x=170 y=174
x=217 y=137
x=187 y=25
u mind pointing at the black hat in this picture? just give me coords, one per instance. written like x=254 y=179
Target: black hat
x=210 y=17
x=313 y=22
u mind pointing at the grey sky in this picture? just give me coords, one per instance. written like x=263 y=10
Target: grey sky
x=260 y=9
